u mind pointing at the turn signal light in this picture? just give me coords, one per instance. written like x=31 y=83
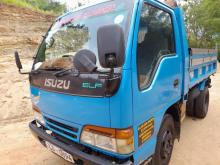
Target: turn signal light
x=114 y=140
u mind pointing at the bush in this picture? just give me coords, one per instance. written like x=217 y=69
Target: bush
x=43 y=6
x=20 y=3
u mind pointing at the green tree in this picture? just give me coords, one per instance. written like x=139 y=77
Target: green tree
x=203 y=22
x=44 y=6
x=48 y=5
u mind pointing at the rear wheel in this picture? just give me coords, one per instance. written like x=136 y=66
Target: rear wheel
x=165 y=141
x=190 y=108
x=202 y=104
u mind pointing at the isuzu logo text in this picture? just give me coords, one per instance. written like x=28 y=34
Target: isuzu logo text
x=59 y=84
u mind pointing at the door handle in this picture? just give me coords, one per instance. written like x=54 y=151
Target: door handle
x=176 y=83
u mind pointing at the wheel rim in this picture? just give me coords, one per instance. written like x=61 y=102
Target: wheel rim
x=167 y=145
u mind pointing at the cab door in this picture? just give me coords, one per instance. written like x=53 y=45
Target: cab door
x=156 y=71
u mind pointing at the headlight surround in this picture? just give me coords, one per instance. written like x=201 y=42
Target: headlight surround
x=113 y=140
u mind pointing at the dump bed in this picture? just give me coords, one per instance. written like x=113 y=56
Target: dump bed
x=203 y=63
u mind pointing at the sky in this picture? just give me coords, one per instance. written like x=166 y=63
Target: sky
x=72 y=3
x=69 y=3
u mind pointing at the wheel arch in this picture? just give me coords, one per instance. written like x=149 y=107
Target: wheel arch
x=175 y=112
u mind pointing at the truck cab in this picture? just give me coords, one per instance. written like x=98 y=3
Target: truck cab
x=110 y=82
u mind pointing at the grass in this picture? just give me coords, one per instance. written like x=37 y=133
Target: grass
x=24 y=4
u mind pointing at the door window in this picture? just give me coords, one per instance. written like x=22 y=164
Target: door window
x=155 y=40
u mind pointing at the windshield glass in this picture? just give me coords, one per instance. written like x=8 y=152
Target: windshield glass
x=78 y=30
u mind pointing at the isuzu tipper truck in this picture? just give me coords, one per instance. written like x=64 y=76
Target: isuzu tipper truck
x=112 y=81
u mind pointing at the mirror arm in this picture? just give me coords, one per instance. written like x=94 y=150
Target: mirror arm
x=111 y=73
x=23 y=73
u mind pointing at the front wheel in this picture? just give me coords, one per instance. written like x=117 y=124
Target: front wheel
x=165 y=141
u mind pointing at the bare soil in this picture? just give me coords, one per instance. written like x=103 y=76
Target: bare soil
x=21 y=30
x=199 y=143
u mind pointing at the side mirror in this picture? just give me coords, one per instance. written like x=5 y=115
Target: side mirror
x=85 y=61
x=18 y=61
x=111 y=46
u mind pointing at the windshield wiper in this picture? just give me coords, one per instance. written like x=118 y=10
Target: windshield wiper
x=58 y=72
x=45 y=70
x=64 y=72
x=52 y=69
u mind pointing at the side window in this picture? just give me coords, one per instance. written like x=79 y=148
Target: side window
x=155 y=40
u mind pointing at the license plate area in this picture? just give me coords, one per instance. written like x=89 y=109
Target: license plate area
x=59 y=152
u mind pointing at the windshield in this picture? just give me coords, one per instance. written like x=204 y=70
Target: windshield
x=78 y=30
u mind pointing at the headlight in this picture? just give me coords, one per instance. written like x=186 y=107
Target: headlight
x=38 y=116
x=114 y=140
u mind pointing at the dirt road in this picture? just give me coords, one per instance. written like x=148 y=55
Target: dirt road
x=199 y=143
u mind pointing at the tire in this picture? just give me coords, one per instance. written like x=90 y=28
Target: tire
x=202 y=104
x=190 y=108
x=165 y=141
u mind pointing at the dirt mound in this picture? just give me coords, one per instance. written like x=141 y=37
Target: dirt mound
x=20 y=29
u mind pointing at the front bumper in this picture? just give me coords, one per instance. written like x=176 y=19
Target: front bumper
x=78 y=155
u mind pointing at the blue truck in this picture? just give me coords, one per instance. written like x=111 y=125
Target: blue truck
x=112 y=81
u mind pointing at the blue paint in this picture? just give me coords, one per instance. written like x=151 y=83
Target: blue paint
x=207 y=69
x=130 y=106
x=202 y=85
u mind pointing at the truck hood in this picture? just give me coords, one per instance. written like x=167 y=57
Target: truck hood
x=73 y=109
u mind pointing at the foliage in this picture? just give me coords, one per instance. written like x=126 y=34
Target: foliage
x=203 y=22
x=65 y=42
x=18 y=3
x=47 y=5
x=44 y=6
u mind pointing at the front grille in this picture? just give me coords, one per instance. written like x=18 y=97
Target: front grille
x=61 y=129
